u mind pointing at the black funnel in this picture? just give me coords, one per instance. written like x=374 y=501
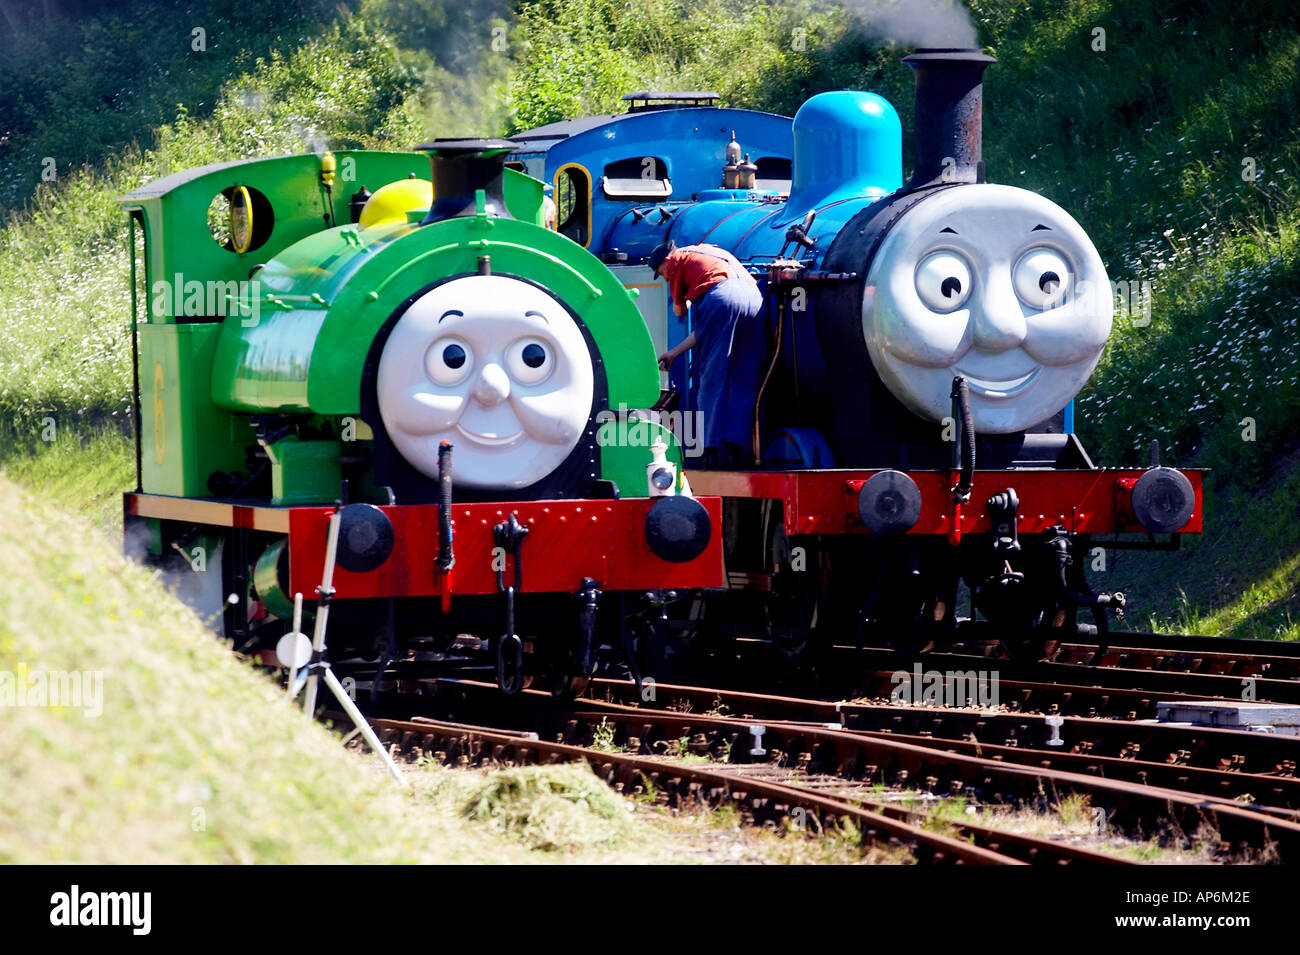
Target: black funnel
x=949 y=116
x=461 y=167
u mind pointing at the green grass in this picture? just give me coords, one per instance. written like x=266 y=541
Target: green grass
x=552 y=809
x=78 y=88
x=1144 y=143
x=192 y=758
x=1070 y=819
x=1250 y=555
x=65 y=299
x=603 y=737
x=943 y=817
x=84 y=472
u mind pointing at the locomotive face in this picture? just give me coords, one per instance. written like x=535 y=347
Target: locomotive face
x=994 y=283
x=495 y=366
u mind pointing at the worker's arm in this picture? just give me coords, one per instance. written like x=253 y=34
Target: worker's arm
x=667 y=358
x=677 y=287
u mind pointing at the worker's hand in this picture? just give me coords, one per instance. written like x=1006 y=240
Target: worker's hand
x=666 y=360
x=679 y=310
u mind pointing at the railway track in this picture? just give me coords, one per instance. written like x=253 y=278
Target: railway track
x=848 y=661
x=997 y=774
x=1223 y=662
x=1015 y=696
x=1229 y=763
x=764 y=800
x=1184 y=653
x=1220 y=685
x=1242 y=786
x=1026 y=686
x=1125 y=683
x=1195 y=643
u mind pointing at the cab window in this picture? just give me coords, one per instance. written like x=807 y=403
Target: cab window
x=573 y=204
x=773 y=173
x=643 y=178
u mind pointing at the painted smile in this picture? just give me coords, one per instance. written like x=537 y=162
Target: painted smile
x=992 y=388
x=487 y=440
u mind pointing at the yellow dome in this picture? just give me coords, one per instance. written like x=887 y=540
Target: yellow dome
x=392 y=202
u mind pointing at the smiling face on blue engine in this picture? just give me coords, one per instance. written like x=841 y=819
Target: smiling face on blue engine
x=497 y=367
x=993 y=283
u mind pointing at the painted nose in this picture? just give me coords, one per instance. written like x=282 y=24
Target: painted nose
x=999 y=321
x=492 y=387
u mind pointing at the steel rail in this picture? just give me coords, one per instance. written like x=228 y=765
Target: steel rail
x=1223 y=661
x=768 y=801
x=849 y=659
x=878 y=757
x=1268 y=760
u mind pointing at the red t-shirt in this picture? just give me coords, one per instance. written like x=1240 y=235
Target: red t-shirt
x=694 y=269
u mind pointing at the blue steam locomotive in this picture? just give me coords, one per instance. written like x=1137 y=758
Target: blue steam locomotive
x=913 y=428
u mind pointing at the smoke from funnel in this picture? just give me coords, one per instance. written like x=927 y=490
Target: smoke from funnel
x=928 y=23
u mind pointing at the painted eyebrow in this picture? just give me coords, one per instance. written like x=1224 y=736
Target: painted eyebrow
x=452 y=311
x=948 y=228
x=1041 y=228
x=538 y=314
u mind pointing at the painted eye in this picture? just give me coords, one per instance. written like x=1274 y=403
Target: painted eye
x=943 y=281
x=453 y=356
x=448 y=361
x=1042 y=278
x=534 y=355
x=530 y=361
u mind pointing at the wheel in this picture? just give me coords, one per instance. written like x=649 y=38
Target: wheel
x=791 y=610
x=570 y=687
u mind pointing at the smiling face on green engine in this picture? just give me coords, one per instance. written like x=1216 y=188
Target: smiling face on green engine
x=497 y=367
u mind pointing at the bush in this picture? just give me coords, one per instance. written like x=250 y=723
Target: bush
x=64 y=269
x=78 y=90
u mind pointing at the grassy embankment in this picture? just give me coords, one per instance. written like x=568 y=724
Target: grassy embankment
x=1177 y=148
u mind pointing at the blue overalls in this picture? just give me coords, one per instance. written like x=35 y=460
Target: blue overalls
x=731 y=341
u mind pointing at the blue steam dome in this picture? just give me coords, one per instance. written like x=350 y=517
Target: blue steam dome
x=846 y=144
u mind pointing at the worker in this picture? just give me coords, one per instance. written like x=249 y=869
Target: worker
x=725 y=307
